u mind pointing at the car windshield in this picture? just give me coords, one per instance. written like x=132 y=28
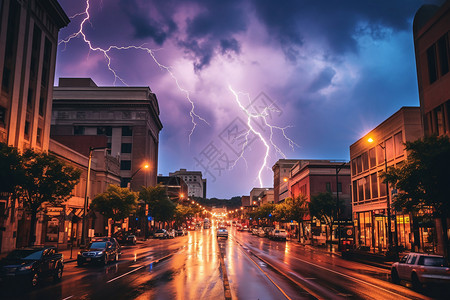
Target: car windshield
x=26 y=254
x=432 y=261
x=98 y=245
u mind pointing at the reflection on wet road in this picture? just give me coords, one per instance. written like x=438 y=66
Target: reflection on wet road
x=201 y=266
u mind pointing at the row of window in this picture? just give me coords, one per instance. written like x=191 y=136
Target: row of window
x=437 y=120
x=103 y=130
x=393 y=147
x=437 y=59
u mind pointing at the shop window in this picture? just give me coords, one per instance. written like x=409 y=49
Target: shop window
x=366 y=188
x=365 y=161
x=78 y=130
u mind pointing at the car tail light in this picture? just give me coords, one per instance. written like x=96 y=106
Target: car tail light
x=422 y=269
x=447 y=270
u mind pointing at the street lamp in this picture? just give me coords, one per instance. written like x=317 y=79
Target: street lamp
x=83 y=228
x=338 y=169
x=388 y=200
x=146 y=166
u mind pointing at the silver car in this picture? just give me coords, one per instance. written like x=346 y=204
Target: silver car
x=420 y=268
x=222 y=232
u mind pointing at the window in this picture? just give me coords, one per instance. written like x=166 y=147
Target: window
x=358 y=164
x=78 y=130
x=125 y=165
x=389 y=144
x=382 y=189
x=372 y=158
x=380 y=154
x=104 y=130
x=365 y=161
x=41 y=106
x=108 y=145
x=439 y=117
x=443 y=54
x=374 y=184
x=360 y=190
x=366 y=188
x=353 y=167
x=27 y=130
x=398 y=144
x=39 y=136
x=126 y=148
x=10 y=46
x=339 y=187
x=328 y=187
x=127 y=131
x=2 y=116
x=431 y=58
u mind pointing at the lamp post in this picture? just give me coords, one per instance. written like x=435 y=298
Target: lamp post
x=84 y=227
x=388 y=200
x=146 y=166
x=338 y=169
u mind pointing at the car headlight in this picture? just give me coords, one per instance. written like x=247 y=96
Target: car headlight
x=25 y=268
x=100 y=253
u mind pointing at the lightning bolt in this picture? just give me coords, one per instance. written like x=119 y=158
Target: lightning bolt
x=106 y=53
x=263 y=115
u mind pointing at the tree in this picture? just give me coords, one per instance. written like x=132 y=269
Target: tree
x=423 y=180
x=296 y=209
x=46 y=180
x=323 y=207
x=116 y=203
x=11 y=168
x=160 y=206
x=181 y=213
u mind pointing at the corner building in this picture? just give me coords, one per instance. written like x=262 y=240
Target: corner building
x=127 y=116
x=369 y=195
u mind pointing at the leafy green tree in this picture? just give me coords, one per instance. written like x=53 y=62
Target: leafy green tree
x=11 y=168
x=323 y=207
x=423 y=180
x=116 y=203
x=46 y=180
x=160 y=206
x=293 y=209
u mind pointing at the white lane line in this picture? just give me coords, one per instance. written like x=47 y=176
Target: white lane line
x=68 y=297
x=350 y=277
x=134 y=270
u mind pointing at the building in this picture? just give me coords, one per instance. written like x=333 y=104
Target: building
x=313 y=176
x=127 y=116
x=28 y=42
x=196 y=184
x=369 y=193
x=267 y=196
x=175 y=186
x=431 y=41
x=280 y=178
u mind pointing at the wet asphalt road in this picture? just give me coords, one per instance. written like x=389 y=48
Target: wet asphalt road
x=200 y=266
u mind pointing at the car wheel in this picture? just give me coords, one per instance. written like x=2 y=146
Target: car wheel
x=415 y=282
x=394 y=276
x=58 y=274
x=34 y=280
x=79 y=262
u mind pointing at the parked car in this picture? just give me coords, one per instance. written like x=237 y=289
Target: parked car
x=29 y=265
x=98 y=252
x=222 y=232
x=130 y=239
x=171 y=234
x=161 y=234
x=112 y=240
x=420 y=268
x=278 y=234
x=261 y=232
x=181 y=231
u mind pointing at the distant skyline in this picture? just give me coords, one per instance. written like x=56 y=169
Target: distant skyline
x=323 y=73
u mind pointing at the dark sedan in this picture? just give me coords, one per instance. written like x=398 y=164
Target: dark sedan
x=98 y=252
x=32 y=264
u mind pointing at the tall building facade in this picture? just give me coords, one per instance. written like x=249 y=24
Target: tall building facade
x=127 y=116
x=370 y=195
x=431 y=41
x=28 y=41
x=196 y=184
x=280 y=178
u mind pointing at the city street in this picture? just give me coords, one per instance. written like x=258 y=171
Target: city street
x=191 y=267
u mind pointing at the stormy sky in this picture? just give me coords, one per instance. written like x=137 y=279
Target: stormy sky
x=313 y=75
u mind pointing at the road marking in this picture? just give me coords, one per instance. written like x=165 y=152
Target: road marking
x=68 y=297
x=109 y=281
